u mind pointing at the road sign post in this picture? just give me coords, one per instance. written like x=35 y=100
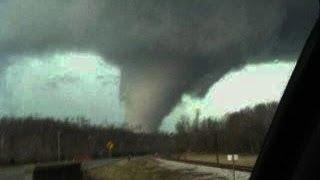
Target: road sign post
x=217 y=148
x=233 y=158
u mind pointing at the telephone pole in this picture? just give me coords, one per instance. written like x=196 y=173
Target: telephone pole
x=234 y=171
x=2 y=139
x=59 y=145
x=217 y=148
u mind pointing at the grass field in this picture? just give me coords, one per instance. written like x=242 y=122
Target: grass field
x=139 y=169
x=28 y=167
x=244 y=159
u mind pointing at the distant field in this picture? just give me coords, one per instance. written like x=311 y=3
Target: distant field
x=244 y=159
x=15 y=168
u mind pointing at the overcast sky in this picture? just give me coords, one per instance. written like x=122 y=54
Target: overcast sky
x=81 y=57
x=82 y=84
x=250 y=86
x=62 y=85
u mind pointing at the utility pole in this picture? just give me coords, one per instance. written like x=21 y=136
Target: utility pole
x=217 y=148
x=59 y=144
x=234 y=171
x=2 y=145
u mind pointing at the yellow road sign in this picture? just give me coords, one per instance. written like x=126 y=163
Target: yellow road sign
x=109 y=146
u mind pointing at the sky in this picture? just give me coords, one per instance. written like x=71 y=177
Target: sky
x=163 y=50
x=247 y=87
x=83 y=84
x=62 y=85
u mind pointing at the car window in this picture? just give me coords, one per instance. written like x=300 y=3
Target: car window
x=175 y=83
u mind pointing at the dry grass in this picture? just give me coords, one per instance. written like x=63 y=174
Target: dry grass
x=244 y=159
x=147 y=168
x=139 y=169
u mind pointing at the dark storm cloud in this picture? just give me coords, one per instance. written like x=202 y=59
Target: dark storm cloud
x=164 y=48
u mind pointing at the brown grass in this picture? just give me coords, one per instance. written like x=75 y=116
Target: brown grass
x=139 y=169
x=244 y=159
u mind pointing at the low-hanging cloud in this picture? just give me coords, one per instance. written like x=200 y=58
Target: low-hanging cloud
x=164 y=48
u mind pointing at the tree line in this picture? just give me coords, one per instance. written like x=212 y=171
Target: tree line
x=36 y=139
x=238 y=132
